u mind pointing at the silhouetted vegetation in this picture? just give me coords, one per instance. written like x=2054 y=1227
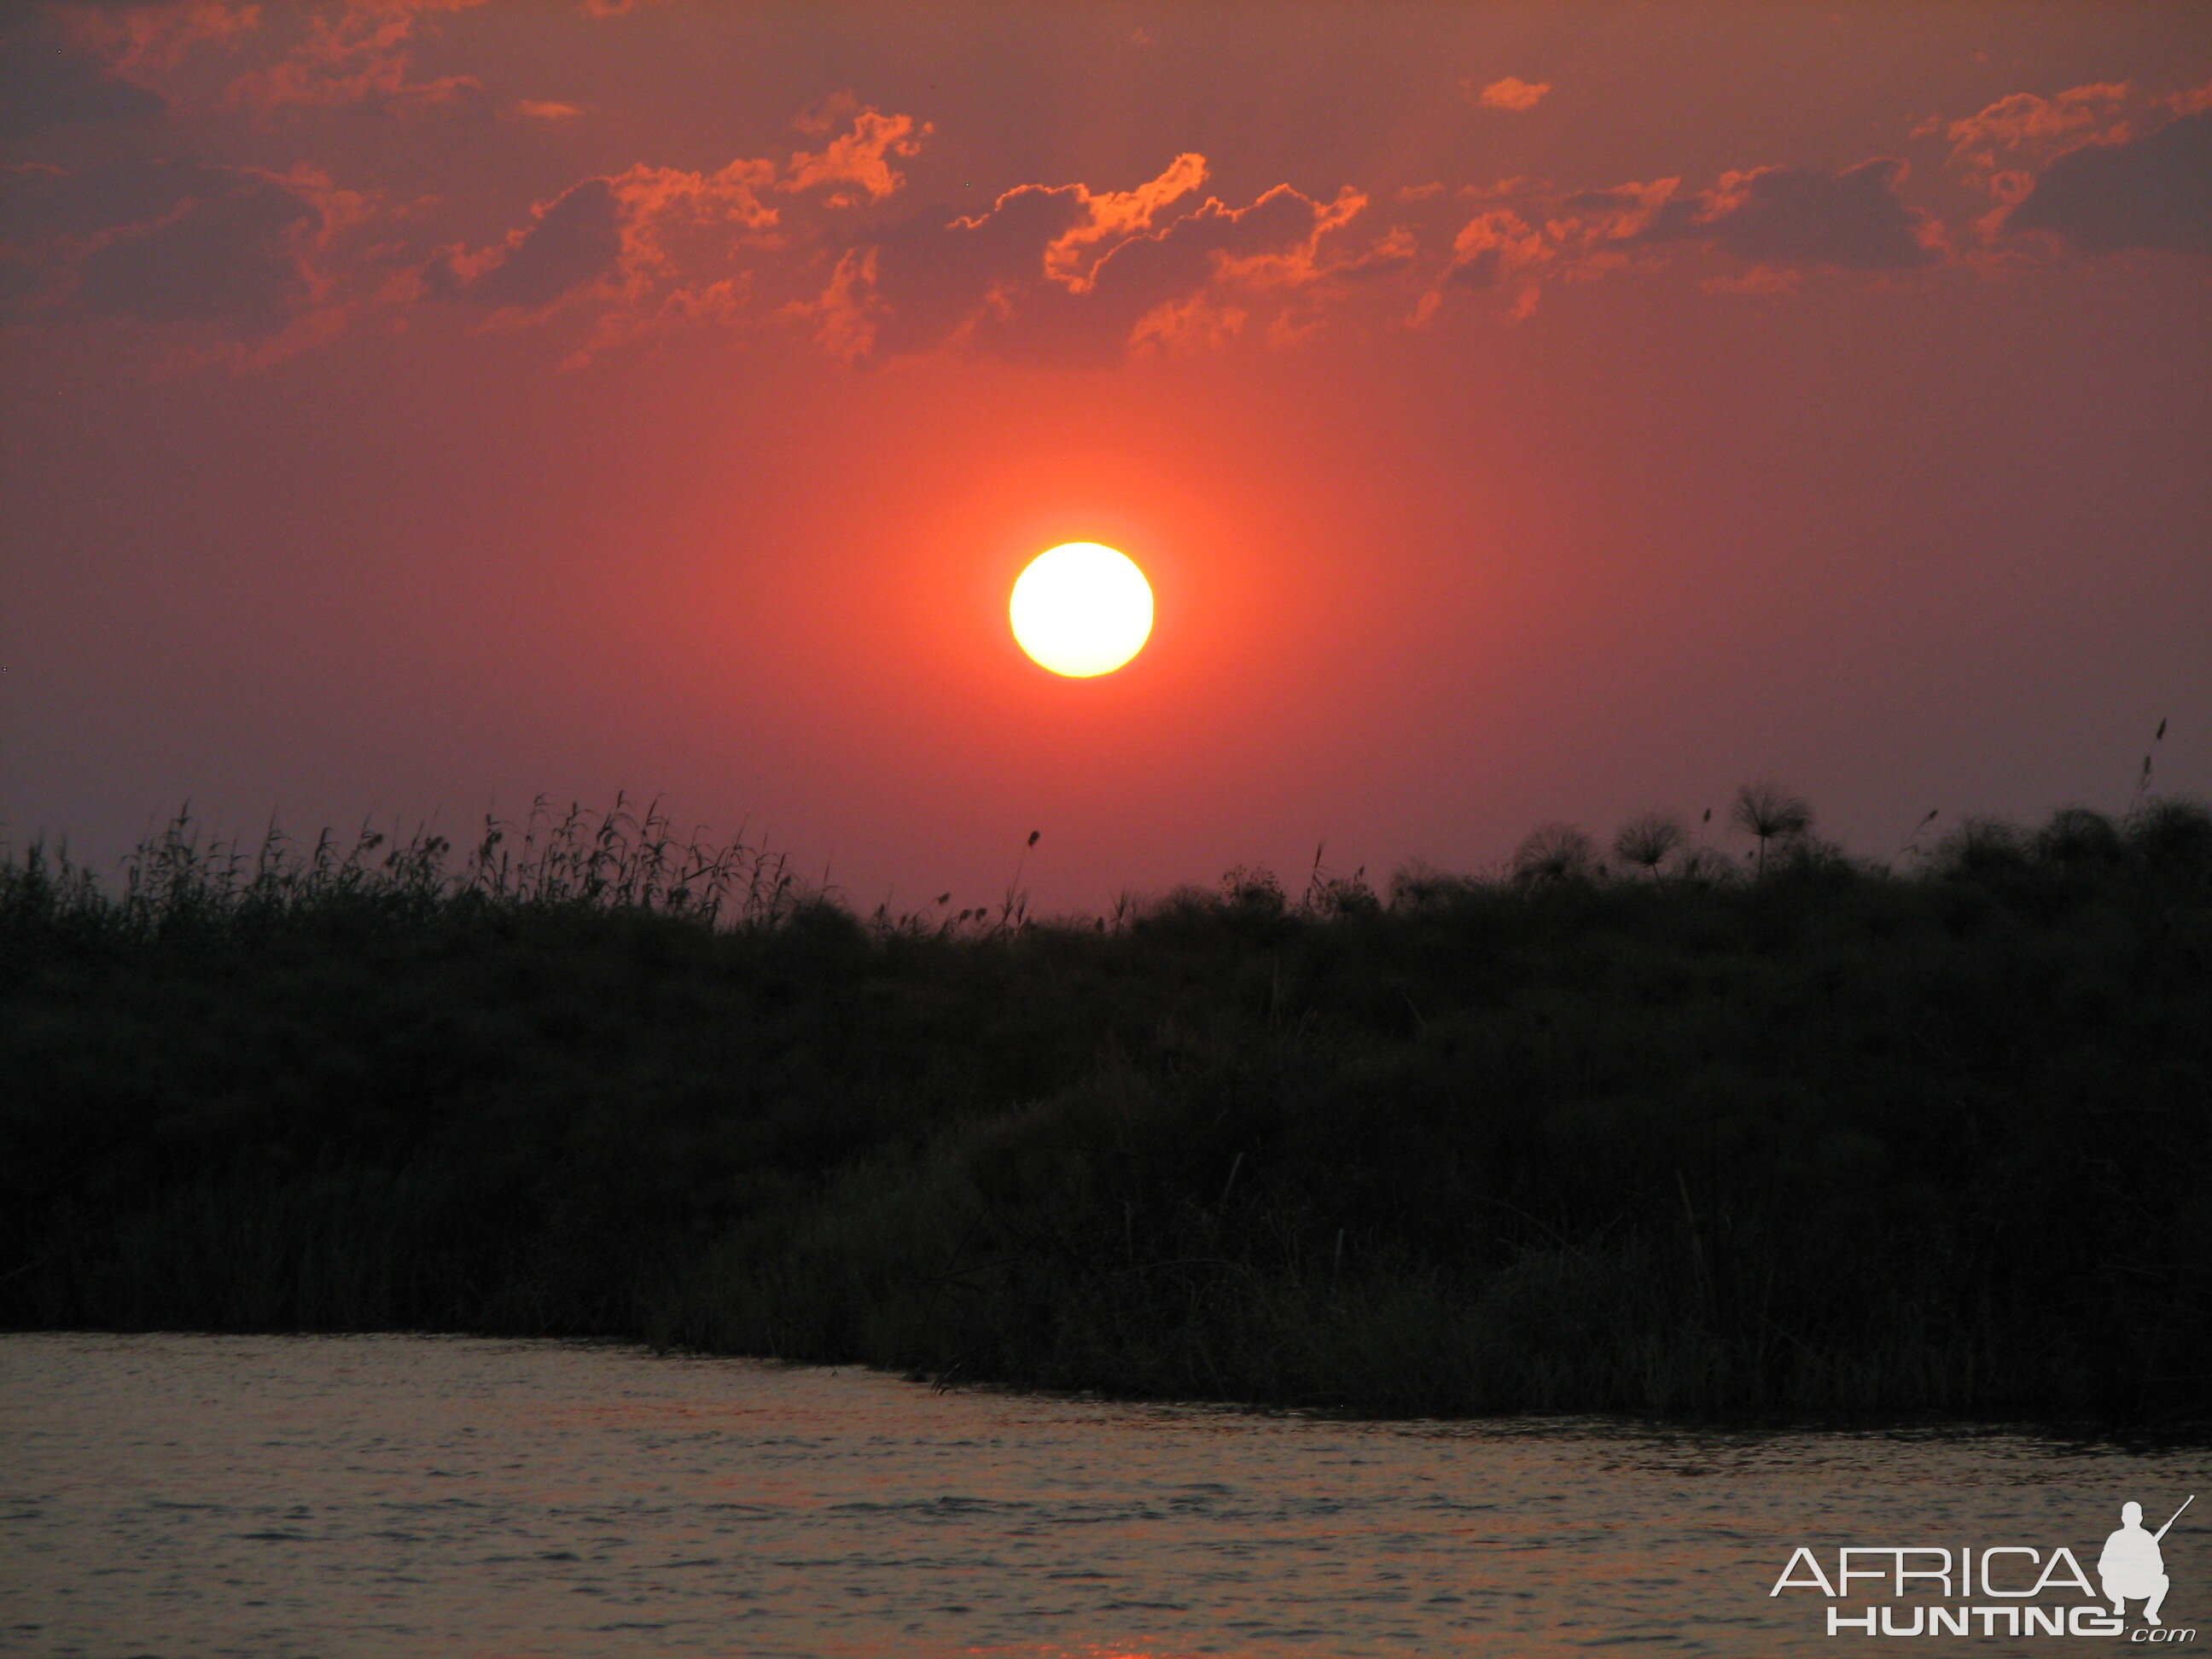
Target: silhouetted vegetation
x=1819 y=1139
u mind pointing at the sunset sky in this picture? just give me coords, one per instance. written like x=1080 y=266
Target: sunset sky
x=1523 y=413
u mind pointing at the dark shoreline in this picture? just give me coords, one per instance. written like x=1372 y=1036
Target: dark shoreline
x=2058 y=1438
x=1828 y=1147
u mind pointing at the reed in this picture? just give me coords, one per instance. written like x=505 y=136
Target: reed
x=1655 y=1136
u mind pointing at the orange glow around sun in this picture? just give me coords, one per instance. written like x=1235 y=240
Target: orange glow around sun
x=1082 y=609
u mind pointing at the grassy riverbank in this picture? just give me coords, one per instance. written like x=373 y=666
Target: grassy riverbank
x=1823 y=1140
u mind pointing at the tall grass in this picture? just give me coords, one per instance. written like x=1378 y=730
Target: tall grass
x=627 y=857
x=1806 y=1139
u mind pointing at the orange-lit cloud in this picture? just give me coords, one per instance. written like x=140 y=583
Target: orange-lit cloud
x=1511 y=92
x=860 y=157
x=355 y=58
x=1489 y=251
x=852 y=234
x=348 y=56
x=2094 y=169
x=1066 y=272
x=141 y=38
x=654 y=248
x=2024 y=129
x=1109 y=216
x=845 y=316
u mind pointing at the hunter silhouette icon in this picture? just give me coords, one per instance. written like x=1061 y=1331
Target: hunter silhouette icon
x=2131 y=1565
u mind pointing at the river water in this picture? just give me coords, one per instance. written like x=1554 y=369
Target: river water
x=459 y=1498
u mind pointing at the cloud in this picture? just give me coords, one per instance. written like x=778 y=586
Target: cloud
x=928 y=280
x=574 y=239
x=932 y=280
x=1195 y=279
x=2025 y=126
x=1066 y=273
x=1490 y=250
x=39 y=201
x=1109 y=216
x=138 y=37
x=822 y=238
x=1852 y=219
x=355 y=58
x=229 y=248
x=1079 y=274
x=1778 y=221
x=1511 y=93
x=47 y=80
x=2079 y=170
x=655 y=247
x=228 y=260
x=1494 y=247
x=1998 y=148
x=353 y=55
x=2150 y=192
x=860 y=157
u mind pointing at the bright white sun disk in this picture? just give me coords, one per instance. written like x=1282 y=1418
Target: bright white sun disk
x=1082 y=609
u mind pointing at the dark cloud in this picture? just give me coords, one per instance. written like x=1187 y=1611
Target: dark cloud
x=1803 y=216
x=161 y=242
x=39 y=201
x=577 y=239
x=1482 y=269
x=2155 y=193
x=46 y=83
x=226 y=260
x=935 y=278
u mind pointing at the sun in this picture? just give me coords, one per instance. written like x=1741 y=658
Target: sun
x=1082 y=609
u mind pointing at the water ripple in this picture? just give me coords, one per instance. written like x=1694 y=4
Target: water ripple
x=191 y=1496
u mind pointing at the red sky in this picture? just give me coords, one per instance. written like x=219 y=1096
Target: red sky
x=1524 y=413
